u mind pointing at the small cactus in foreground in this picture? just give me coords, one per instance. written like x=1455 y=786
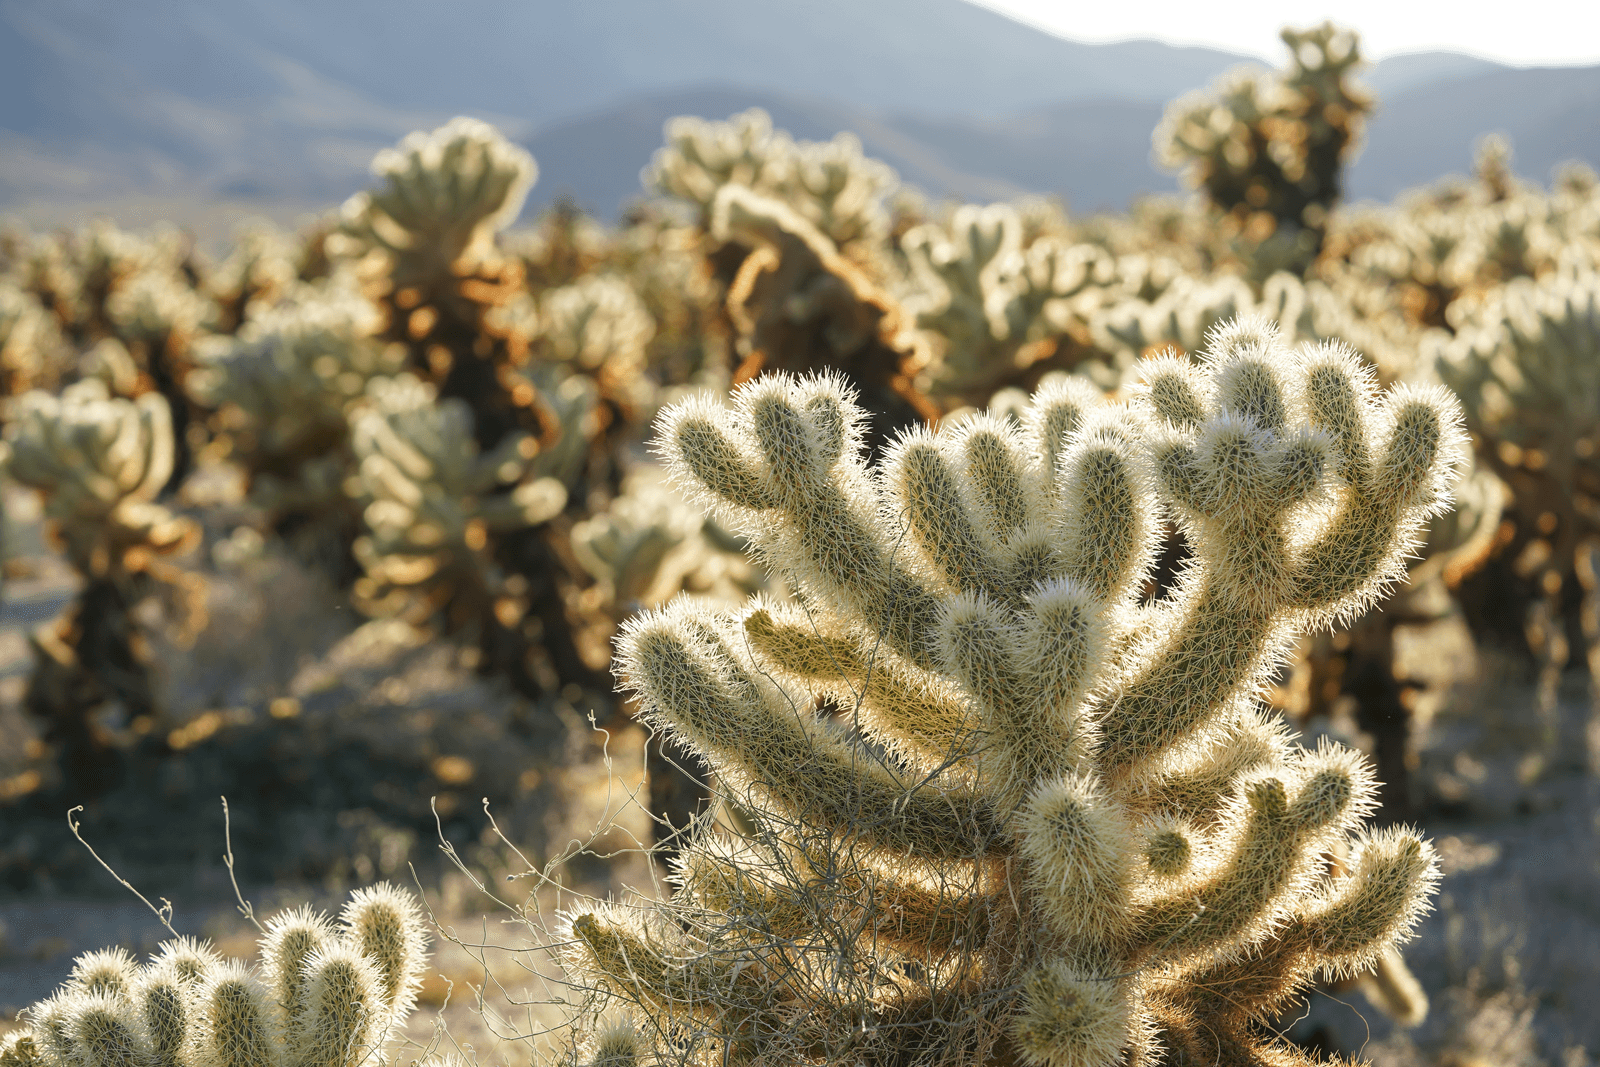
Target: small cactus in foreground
x=998 y=808
x=323 y=996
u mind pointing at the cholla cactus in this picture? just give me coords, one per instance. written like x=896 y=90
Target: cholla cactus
x=438 y=512
x=984 y=295
x=599 y=327
x=831 y=185
x=99 y=463
x=1182 y=316
x=284 y=382
x=1269 y=149
x=30 y=343
x=336 y=1005
x=281 y=389
x=1526 y=363
x=800 y=306
x=1049 y=825
x=626 y=545
x=445 y=196
x=261 y=268
x=158 y=316
x=473 y=331
x=701 y=156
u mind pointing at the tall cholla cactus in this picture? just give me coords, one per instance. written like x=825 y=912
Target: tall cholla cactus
x=1269 y=150
x=1047 y=823
x=325 y=995
x=439 y=514
x=433 y=500
x=439 y=274
x=445 y=196
x=99 y=463
x=831 y=184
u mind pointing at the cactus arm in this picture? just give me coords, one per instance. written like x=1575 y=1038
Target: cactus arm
x=895 y=707
x=694 y=682
x=830 y=541
x=926 y=486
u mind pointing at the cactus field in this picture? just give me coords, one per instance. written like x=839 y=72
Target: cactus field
x=809 y=623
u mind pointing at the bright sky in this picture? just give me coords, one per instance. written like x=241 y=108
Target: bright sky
x=1541 y=33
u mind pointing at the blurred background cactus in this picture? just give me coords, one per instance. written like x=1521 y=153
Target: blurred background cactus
x=280 y=389
x=99 y=462
x=1525 y=359
x=1269 y=149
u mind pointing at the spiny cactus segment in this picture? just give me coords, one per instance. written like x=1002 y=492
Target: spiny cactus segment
x=322 y=996
x=1045 y=821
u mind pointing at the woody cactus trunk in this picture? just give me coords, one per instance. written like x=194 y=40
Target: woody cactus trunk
x=997 y=808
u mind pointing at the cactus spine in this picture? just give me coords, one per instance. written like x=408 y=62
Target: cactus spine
x=1046 y=822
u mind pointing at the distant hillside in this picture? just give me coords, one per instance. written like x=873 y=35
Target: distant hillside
x=1549 y=114
x=283 y=102
x=1095 y=155
x=549 y=61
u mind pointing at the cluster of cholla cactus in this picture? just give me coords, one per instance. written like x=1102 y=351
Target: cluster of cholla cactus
x=437 y=515
x=831 y=185
x=797 y=233
x=995 y=302
x=1526 y=363
x=281 y=390
x=995 y=806
x=325 y=994
x=99 y=463
x=534 y=363
x=140 y=298
x=535 y=392
x=1268 y=150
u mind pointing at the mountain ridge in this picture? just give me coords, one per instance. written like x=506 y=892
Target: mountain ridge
x=286 y=101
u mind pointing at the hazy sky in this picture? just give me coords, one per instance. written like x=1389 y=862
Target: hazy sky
x=1544 y=32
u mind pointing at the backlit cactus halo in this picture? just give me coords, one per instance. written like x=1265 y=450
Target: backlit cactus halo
x=1048 y=824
